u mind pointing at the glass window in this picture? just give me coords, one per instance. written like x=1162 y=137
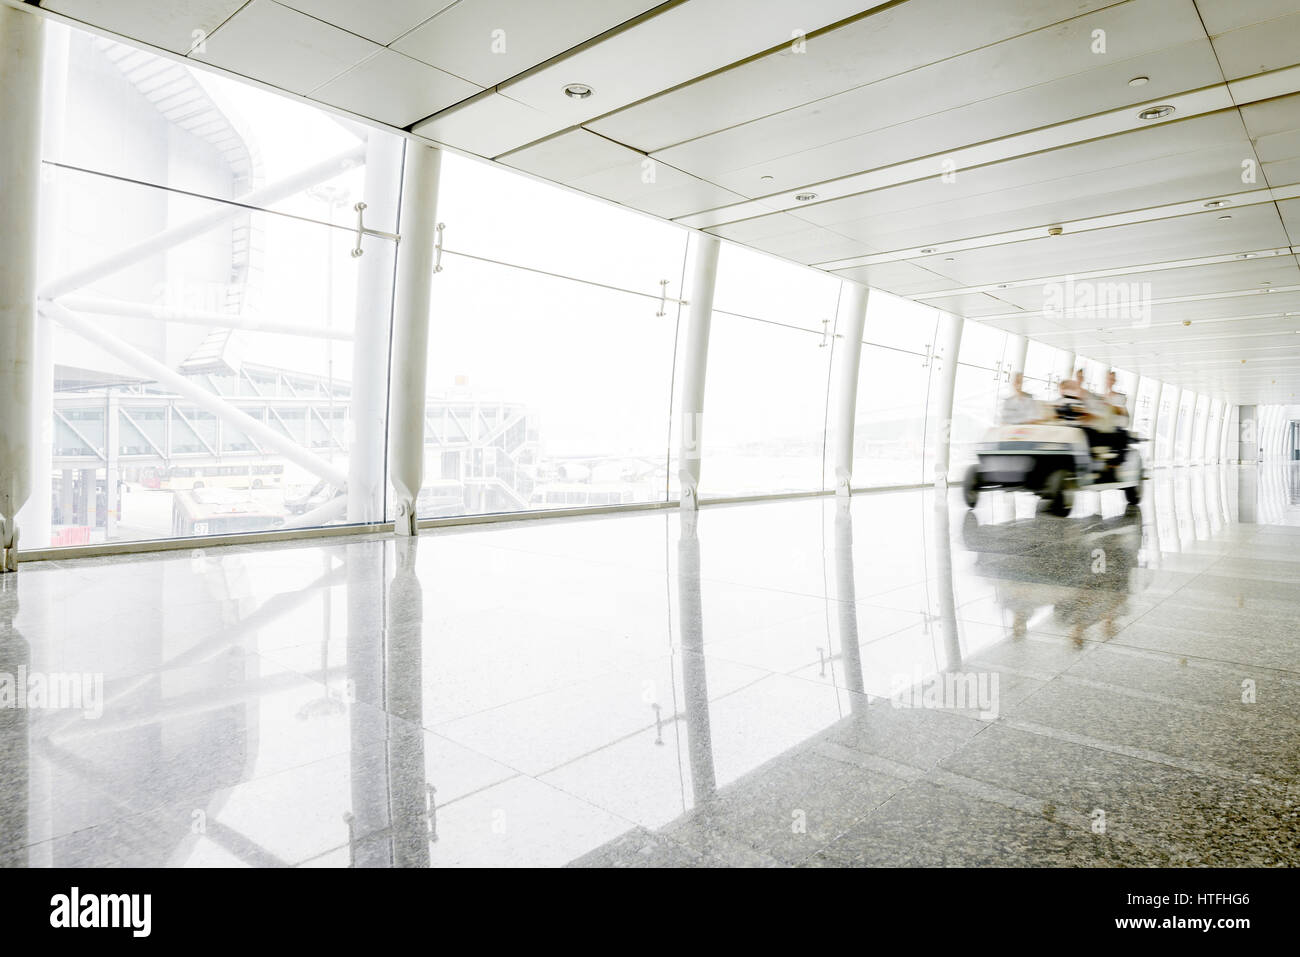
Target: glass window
x=982 y=345
x=764 y=409
x=542 y=393
x=890 y=420
x=505 y=216
x=900 y=324
x=757 y=285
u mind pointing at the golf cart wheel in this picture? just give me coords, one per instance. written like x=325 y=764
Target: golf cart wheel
x=1059 y=493
x=970 y=486
x=1133 y=493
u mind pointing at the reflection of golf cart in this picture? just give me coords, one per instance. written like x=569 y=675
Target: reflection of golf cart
x=319 y=494
x=1083 y=571
x=1052 y=460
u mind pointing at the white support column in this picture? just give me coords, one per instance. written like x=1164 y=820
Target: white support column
x=1067 y=364
x=703 y=276
x=383 y=191
x=849 y=325
x=21 y=51
x=947 y=353
x=413 y=297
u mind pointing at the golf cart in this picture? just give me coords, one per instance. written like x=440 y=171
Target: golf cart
x=1054 y=459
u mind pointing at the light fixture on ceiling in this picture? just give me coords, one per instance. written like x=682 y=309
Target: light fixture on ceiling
x=927 y=250
x=805 y=197
x=1054 y=230
x=1139 y=81
x=578 y=91
x=766 y=177
x=947 y=259
x=1247 y=255
x=1187 y=322
x=1225 y=216
x=1216 y=203
x=1155 y=112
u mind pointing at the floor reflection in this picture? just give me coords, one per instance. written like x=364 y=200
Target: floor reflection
x=749 y=685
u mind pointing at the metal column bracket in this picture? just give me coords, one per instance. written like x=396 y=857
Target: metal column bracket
x=663 y=298
x=363 y=230
x=826 y=334
x=437 y=248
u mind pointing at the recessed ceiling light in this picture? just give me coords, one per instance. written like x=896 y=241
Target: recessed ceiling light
x=1247 y=255
x=766 y=177
x=579 y=91
x=805 y=197
x=1155 y=112
x=1266 y=282
x=1225 y=216
x=947 y=259
x=1216 y=203
x=1139 y=81
x=927 y=250
x=1002 y=285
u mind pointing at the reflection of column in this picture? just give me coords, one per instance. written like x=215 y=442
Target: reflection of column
x=1248 y=496
x=699 y=732
x=412 y=297
x=404 y=661
x=369 y=818
x=947 y=598
x=847 y=606
x=949 y=347
x=15 y=767
x=370 y=345
x=848 y=358
x=21 y=48
x=703 y=272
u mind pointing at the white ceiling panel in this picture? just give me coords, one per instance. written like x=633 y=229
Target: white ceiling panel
x=1290 y=211
x=1220 y=16
x=889 y=42
x=269 y=42
x=487 y=41
x=487 y=125
x=676 y=44
x=595 y=165
x=812 y=244
x=1031 y=81
x=776 y=146
x=1243 y=275
x=1259 y=48
x=901 y=278
x=1132 y=160
x=1186 y=237
x=176 y=26
x=382 y=22
x=394 y=89
x=976 y=304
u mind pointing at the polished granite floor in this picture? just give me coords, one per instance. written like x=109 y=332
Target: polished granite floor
x=893 y=682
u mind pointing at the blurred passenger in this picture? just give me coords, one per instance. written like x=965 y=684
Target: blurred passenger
x=1020 y=406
